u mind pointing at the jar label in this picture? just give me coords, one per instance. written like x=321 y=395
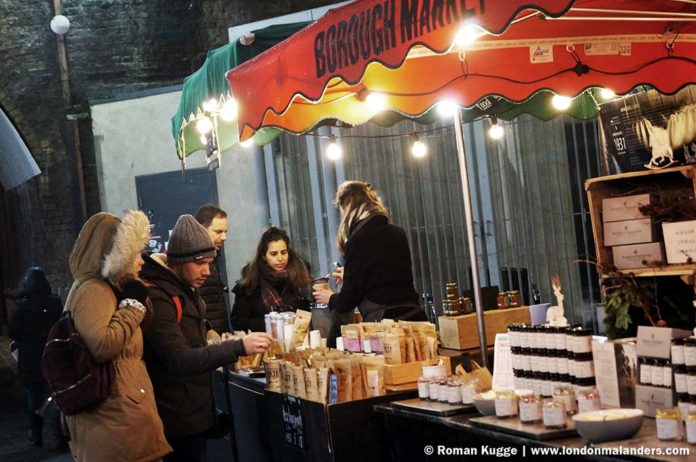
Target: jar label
x=468 y=394
x=505 y=407
x=668 y=429
x=570 y=345
x=526 y=362
x=657 y=376
x=691 y=432
x=549 y=341
x=691 y=384
x=553 y=365
x=677 y=354
x=530 y=412
x=680 y=383
x=667 y=376
x=561 y=342
x=584 y=369
x=434 y=388
x=646 y=374
x=562 y=365
x=554 y=416
x=690 y=355
x=583 y=344
x=543 y=365
x=455 y=395
x=535 y=363
x=423 y=390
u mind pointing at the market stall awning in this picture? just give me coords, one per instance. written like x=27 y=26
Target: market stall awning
x=209 y=83
x=17 y=164
x=406 y=52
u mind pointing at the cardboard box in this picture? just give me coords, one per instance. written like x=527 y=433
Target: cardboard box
x=398 y=374
x=616 y=371
x=650 y=398
x=638 y=255
x=461 y=332
x=680 y=241
x=624 y=208
x=656 y=342
x=629 y=232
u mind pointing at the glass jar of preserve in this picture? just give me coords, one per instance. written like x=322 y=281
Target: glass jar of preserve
x=454 y=390
x=469 y=390
x=530 y=409
x=657 y=373
x=589 y=401
x=452 y=290
x=503 y=300
x=668 y=422
x=691 y=428
x=584 y=366
x=567 y=396
x=680 y=379
x=554 y=414
x=691 y=381
x=515 y=298
x=505 y=404
x=424 y=387
x=583 y=341
x=683 y=404
x=666 y=373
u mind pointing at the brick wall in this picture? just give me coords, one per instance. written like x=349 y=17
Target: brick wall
x=115 y=47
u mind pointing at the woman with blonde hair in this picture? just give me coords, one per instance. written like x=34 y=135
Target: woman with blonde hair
x=377 y=275
x=108 y=304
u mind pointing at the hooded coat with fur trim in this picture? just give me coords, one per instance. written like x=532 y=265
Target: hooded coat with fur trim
x=126 y=426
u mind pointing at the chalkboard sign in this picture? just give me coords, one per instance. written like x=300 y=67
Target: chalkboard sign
x=293 y=427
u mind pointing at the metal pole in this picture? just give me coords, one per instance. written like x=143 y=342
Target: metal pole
x=469 y=216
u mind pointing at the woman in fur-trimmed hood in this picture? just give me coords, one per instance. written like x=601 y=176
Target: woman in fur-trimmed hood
x=108 y=305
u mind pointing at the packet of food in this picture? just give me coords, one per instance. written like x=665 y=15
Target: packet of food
x=323 y=384
x=311 y=384
x=272 y=368
x=373 y=375
x=356 y=379
x=342 y=369
x=392 y=349
x=301 y=327
x=351 y=338
x=299 y=381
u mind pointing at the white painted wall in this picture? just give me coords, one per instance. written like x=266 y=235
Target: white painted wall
x=133 y=137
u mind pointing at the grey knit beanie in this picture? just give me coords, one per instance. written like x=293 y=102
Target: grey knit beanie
x=189 y=241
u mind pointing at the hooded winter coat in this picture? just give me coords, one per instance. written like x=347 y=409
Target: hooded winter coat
x=125 y=427
x=177 y=354
x=36 y=311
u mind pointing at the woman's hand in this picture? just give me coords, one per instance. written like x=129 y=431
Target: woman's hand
x=338 y=275
x=257 y=342
x=322 y=296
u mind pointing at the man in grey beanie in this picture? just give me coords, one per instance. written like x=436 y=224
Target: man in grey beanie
x=178 y=358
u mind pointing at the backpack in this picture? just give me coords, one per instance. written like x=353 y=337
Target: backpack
x=76 y=381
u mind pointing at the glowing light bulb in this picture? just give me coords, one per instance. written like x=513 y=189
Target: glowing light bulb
x=249 y=142
x=229 y=110
x=419 y=149
x=467 y=35
x=607 y=93
x=204 y=126
x=204 y=139
x=210 y=105
x=334 y=151
x=496 y=131
x=561 y=102
x=376 y=101
x=447 y=108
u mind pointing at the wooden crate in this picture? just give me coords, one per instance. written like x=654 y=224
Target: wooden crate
x=625 y=184
x=461 y=332
x=399 y=374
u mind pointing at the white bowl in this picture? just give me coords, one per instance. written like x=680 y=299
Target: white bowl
x=608 y=424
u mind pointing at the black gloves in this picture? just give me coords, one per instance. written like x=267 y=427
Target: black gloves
x=136 y=290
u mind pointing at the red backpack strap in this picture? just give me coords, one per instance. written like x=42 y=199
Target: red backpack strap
x=179 y=310
x=175 y=298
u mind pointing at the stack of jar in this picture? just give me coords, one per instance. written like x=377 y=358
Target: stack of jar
x=277 y=324
x=547 y=357
x=450 y=390
x=684 y=368
x=454 y=304
x=509 y=299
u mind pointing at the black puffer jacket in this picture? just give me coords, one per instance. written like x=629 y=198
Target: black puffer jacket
x=213 y=294
x=179 y=361
x=35 y=312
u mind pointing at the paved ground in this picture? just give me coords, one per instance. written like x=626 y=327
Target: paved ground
x=14 y=423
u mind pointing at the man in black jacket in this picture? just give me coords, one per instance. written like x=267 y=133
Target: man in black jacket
x=178 y=358
x=213 y=290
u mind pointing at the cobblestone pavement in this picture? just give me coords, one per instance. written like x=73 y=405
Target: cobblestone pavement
x=14 y=423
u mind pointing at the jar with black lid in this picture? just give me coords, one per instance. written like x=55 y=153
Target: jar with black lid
x=583 y=341
x=683 y=404
x=667 y=373
x=586 y=382
x=546 y=385
x=543 y=361
x=690 y=352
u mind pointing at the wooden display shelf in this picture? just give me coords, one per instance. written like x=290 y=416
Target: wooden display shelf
x=674 y=179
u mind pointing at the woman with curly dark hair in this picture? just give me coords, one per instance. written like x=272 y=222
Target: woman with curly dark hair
x=276 y=279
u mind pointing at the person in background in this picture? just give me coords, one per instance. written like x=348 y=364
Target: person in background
x=276 y=279
x=109 y=304
x=377 y=276
x=36 y=311
x=214 y=219
x=179 y=360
